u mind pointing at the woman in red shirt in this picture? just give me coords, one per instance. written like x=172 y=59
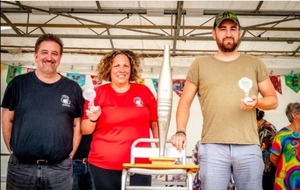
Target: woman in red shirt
x=125 y=112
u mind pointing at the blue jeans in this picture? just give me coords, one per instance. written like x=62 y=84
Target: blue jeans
x=82 y=176
x=33 y=176
x=218 y=161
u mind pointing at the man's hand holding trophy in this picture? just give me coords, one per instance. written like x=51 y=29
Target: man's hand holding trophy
x=246 y=84
x=247 y=102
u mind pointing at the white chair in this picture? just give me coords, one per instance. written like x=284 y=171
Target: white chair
x=157 y=169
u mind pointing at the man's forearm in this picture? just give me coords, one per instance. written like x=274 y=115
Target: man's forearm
x=7 y=125
x=76 y=136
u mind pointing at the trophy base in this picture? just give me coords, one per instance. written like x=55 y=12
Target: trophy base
x=163 y=161
x=248 y=99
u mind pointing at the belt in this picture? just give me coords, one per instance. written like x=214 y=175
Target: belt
x=34 y=161
x=84 y=160
x=41 y=162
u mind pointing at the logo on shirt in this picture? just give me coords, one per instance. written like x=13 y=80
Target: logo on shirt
x=138 y=102
x=65 y=100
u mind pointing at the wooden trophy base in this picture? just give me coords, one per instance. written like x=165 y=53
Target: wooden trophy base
x=163 y=161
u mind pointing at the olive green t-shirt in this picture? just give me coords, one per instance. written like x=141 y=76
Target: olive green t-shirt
x=219 y=95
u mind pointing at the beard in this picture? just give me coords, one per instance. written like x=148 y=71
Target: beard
x=227 y=46
x=48 y=66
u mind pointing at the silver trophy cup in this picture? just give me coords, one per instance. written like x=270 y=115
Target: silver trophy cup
x=246 y=84
x=90 y=94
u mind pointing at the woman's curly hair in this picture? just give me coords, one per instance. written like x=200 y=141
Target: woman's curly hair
x=104 y=67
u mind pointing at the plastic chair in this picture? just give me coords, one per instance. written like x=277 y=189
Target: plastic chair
x=157 y=169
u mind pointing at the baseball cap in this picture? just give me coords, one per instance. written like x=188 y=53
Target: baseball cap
x=226 y=15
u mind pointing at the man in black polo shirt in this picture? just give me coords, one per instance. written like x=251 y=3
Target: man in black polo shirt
x=41 y=113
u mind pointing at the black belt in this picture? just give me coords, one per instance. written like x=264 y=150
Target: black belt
x=33 y=161
x=42 y=162
x=38 y=162
x=83 y=160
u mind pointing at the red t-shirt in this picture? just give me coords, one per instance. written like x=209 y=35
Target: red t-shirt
x=124 y=118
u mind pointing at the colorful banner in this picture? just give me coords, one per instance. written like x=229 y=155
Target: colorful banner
x=141 y=81
x=275 y=79
x=293 y=82
x=155 y=84
x=79 y=78
x=30 y=70
x=12 y=71
x=178 y=85
x=96 y=81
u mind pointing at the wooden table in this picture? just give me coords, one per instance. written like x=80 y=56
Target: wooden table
x=158 y=168
x=191 y=168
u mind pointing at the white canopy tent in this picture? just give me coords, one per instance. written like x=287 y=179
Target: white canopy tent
x=89 y=29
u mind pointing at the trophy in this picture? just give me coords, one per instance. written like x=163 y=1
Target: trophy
x=164 y=100
x=246 y=84
x=90 y=94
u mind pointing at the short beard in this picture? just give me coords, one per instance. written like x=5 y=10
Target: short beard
x=226 y=47
x=48 y=69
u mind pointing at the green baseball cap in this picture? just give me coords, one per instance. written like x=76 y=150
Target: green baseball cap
x=226 y=15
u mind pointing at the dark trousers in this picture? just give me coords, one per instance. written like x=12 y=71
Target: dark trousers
x=82 y=176
x=140 y=180
x=268 y=182
x=35 y=176
x=111 y=179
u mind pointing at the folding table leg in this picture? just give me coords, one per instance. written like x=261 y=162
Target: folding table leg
x=124 y=177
